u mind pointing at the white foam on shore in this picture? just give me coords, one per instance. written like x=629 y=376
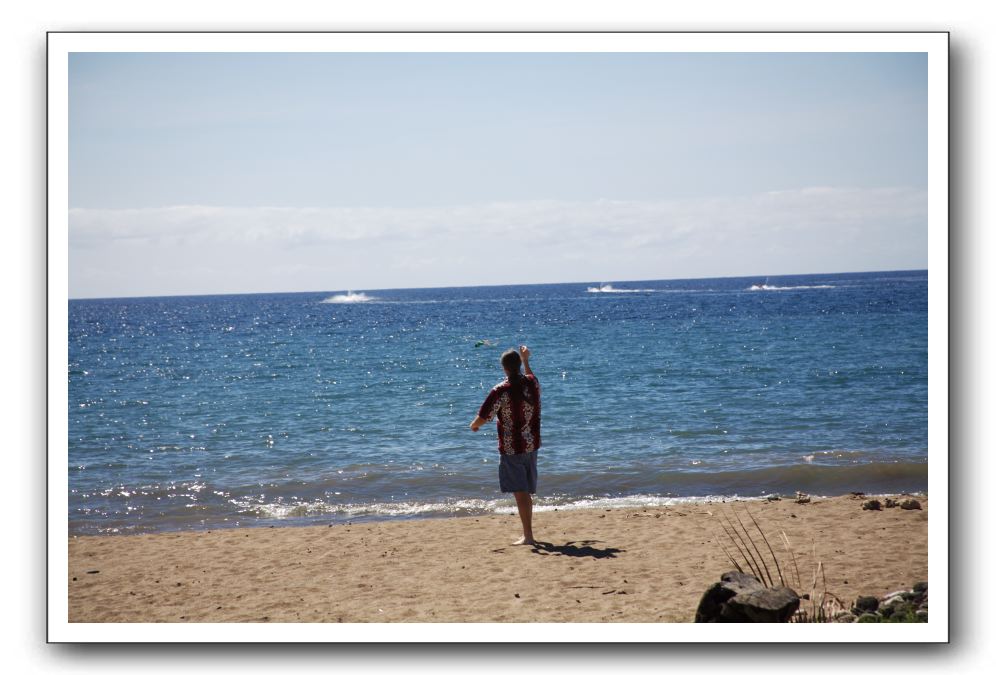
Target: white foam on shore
x=632 y=501
x=504 y=506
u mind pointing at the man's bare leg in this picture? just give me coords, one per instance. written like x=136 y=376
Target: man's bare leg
x=524 y=501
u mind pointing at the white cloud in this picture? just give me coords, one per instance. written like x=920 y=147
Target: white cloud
x=191 y=249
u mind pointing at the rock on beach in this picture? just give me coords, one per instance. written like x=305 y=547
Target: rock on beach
x=741 y=598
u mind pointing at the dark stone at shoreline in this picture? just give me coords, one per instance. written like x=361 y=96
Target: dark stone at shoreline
x=902 y=606
x=872 y=505
x=910 y=504
x=896 y=608
x=866 y=603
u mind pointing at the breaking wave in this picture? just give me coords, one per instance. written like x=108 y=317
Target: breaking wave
x=347 y=298
x=456 y=507
x=676 y=487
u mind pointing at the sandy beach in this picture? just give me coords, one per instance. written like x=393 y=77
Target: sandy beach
x=619 y=565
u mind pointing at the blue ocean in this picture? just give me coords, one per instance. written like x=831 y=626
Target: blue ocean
x=313 y=408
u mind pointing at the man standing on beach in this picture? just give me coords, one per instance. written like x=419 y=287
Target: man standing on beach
x=516 y=402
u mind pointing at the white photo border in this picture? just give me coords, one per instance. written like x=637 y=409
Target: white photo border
x=61 y=44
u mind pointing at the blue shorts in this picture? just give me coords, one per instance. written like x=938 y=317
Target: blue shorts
x=517 y=473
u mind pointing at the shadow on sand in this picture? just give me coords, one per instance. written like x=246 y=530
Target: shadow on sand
x=576 y=549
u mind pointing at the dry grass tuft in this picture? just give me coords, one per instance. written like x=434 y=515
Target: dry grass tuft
x=822 y=604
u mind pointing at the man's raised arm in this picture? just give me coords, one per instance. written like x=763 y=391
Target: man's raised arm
x=524 y=354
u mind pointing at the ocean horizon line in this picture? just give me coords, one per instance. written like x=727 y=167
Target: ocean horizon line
x=549 y=283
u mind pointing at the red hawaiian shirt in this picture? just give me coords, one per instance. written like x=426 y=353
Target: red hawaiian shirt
x=518 y=420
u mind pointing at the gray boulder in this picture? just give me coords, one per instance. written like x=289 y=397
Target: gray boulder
x=740 y=582
x=710 y=609
x=910 y=504
x=768 y=605
x=741 y=598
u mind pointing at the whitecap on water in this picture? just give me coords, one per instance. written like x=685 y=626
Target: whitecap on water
x=607 y=288
x=767 y=287
x=347 y=297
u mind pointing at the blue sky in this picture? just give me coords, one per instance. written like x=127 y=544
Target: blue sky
x=224 y=173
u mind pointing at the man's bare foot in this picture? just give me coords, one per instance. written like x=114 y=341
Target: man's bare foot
x=521 y=541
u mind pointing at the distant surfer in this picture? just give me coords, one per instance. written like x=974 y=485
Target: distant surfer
x=516 y=403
